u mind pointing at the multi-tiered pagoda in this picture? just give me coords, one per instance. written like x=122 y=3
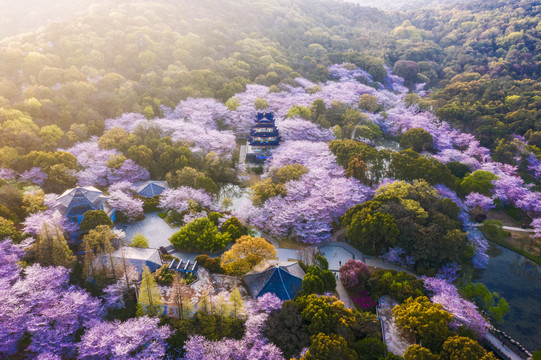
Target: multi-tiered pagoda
x=264 y=138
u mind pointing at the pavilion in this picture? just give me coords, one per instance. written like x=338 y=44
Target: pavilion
x=264 y=138
x=74 y=203
x=284 y=281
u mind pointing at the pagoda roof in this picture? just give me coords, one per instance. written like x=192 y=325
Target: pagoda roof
x=150 y=188
x=283 y=281
x=263 y=125
x=264 y=117
x=265 y=133
x=79 y=200
x=263 y=143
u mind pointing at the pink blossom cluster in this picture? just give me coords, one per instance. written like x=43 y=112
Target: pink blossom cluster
x=534 y=165
x=476 y=200
x=338 y=71
x=34 y=175
x=202 y=139
x=127 y=121
x=397 y=255
x=137 y=338
x=50 y=219
x=475 y=237
x=7 y=174
x=204 y=112
x=364 y=301
x=300 y=129
x=352 y=271
x=252 y=346
x=125 y=203
x=313 y=202
x=464 y=311
x=40 y=302
x=178 y=199
x=536 y=224
x=449 y=272
x=93 y=160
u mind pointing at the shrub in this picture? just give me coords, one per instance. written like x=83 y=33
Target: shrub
x=354 y=273
x=213 y=265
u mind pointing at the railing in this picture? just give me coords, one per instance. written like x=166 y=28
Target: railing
x=382 y=324
x=505 y=346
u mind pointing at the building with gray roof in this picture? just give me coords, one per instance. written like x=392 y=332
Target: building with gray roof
x=151 y=188
x=73 y=203
x=127 y=255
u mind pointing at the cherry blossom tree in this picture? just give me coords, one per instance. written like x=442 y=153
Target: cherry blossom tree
x=7 y=174
x=34 y=175
x=128 y=171
x=300 y=129
x=534 y=165
x=138 y=338
x=476 y=200
x=34 y=223
x=42 y=304
x=353 y=273
x=93 y=161
x=464 y=311
x=536 y=224
x=178 y=199
x=313 y=202
x=252 y=346
x=131 y=208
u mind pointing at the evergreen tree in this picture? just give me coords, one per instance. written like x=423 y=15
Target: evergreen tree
x=237 y=304
x=51 y=249
x=97 y=245
x=149 y=295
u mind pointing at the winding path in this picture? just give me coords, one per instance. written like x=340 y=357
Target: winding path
x=512 y=228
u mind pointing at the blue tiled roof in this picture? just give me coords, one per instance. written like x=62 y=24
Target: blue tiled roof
x=283 y=281
x=282 y=284
x=151 y=189
x=264 y=117
x=264 y=133
x=262 y=143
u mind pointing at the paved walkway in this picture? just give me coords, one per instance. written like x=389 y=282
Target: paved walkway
x=338 y=253
x=343 y=295
x=396 y=339
x=153 y=227
x=512 y=228
x=242 y=154
x=501 y=349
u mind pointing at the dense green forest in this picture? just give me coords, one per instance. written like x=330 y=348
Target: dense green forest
x=480 y=58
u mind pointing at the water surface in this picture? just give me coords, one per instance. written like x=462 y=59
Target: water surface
x=518 y=280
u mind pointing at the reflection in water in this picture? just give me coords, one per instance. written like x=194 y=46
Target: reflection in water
x=235 y=193
x=518 y=279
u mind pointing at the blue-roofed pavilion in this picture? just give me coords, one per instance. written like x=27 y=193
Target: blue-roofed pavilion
x=282 y=281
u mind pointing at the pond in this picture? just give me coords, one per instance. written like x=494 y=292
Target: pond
x=518 y=280
x=236 y=193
